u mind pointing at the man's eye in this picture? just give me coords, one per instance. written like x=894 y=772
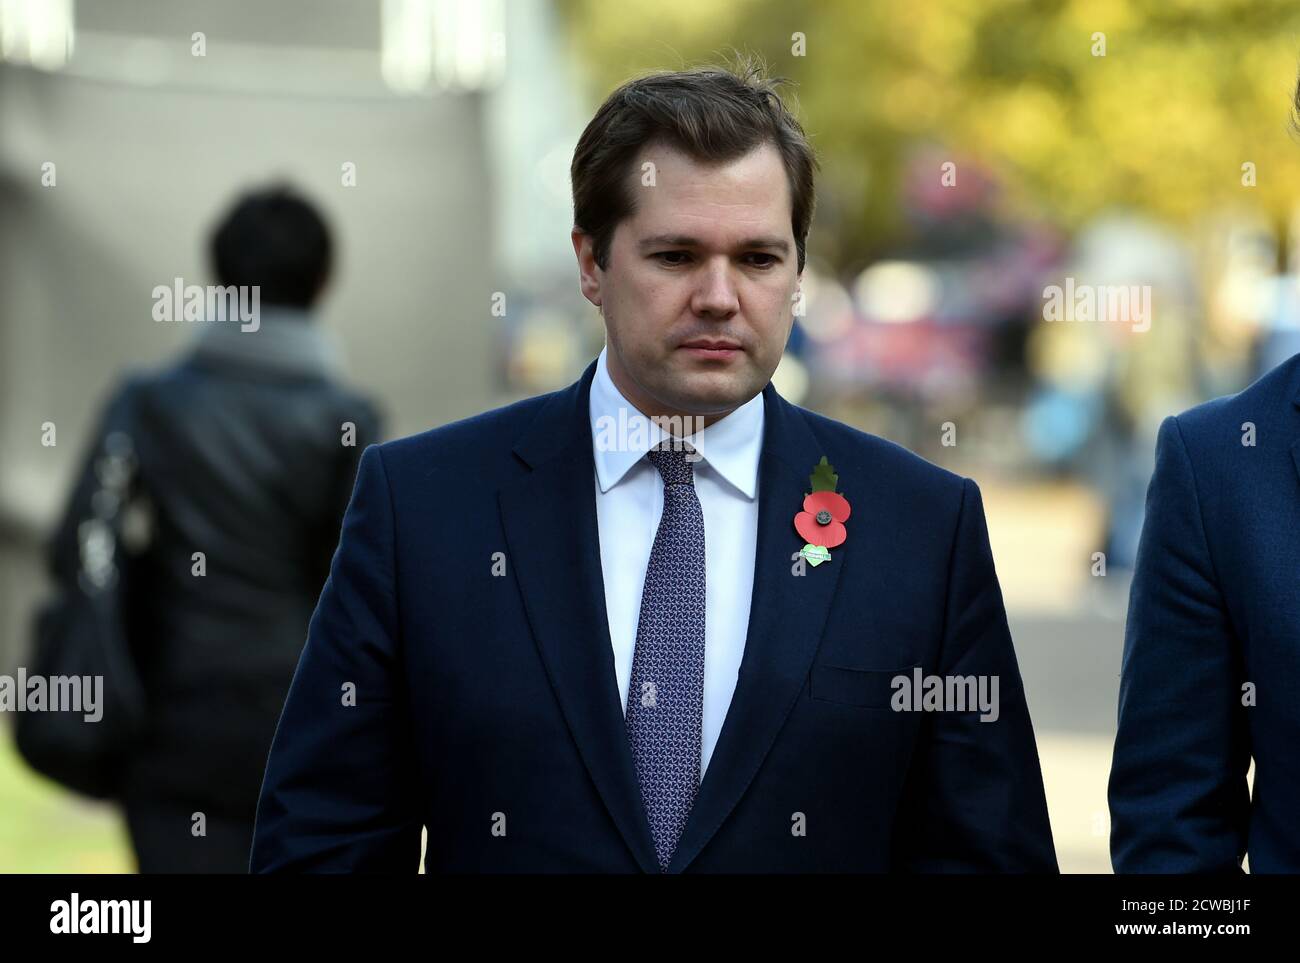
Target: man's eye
x=770 y=261
x=671 y=255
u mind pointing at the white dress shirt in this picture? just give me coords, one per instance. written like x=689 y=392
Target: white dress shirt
x=629 y=502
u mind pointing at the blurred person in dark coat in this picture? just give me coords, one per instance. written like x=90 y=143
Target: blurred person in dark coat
x=246 y=448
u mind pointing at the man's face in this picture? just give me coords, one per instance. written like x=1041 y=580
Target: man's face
x=708 y=256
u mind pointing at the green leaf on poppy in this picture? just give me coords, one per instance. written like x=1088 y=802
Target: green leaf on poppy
x=815 y=554
x=823 y=477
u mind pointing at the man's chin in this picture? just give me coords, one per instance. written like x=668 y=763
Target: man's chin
x=712 y=398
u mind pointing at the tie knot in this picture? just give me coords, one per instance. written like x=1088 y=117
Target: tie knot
x=670 y=457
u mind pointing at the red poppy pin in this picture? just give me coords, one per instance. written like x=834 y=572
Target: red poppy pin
x=821 y=523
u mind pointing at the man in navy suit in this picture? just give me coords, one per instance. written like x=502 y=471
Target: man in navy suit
x=565 y=637
x=1210 y=676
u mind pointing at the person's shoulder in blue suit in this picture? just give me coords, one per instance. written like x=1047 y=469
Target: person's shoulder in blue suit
x=1214 y=611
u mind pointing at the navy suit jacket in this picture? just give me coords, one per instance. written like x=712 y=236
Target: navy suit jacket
x=486 y=706
x=1215 y=605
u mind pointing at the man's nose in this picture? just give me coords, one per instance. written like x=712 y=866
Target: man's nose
x=715 y=292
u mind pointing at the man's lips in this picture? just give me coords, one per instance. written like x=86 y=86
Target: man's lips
x=724 y=352
x=704 y=344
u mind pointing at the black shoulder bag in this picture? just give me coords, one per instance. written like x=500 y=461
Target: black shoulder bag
x=81 y=632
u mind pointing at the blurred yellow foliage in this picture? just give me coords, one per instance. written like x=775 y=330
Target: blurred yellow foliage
x=1078 y=106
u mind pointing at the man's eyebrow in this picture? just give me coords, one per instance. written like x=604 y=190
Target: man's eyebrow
x=683 y=240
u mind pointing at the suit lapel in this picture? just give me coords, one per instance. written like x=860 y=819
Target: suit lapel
x=549 y=517
x=786 y=616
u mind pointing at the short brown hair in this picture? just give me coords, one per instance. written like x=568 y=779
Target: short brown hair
x=710 y=113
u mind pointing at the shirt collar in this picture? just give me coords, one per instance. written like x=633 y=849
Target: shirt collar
x=730 y=446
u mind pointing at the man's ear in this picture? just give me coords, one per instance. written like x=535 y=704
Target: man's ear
x=588 y=270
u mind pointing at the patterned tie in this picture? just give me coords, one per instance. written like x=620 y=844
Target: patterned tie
x=665 y=700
